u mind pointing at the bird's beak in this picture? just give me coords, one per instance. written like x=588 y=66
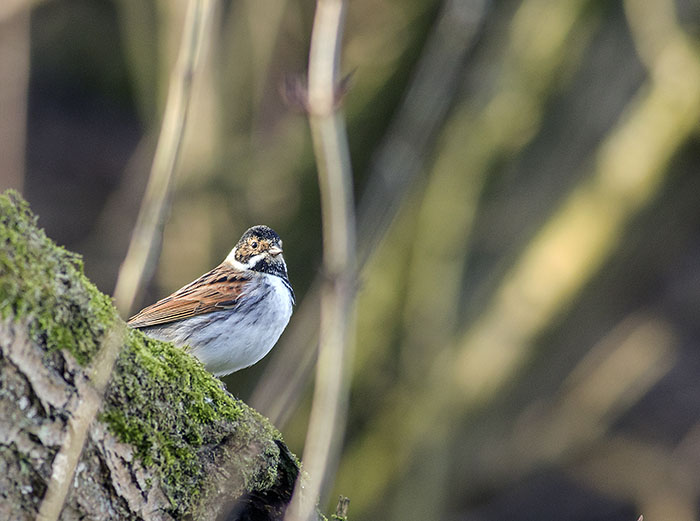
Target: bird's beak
x=274 y=251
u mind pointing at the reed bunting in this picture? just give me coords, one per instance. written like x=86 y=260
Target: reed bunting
x=232 y=316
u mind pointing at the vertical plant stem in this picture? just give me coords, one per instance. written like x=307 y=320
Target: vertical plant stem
x=85 y=407
x=14 y=83
x=139 y=261
x=135 y=264
x=336 y=322
x=400 y=158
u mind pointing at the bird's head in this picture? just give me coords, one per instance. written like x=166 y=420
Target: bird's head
x=259 y=249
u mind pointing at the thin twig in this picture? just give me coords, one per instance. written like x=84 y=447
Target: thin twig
x=14 y=80
x=341 y=509
x=398 y=162
x=138 y=263
x=336 y=323
x=135 y=265
x=89 y=398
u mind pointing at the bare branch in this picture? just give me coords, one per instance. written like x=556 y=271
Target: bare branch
x=336 y=322
x=14 y=82
x=433 y=89
x=136 y=264
x=66 y=460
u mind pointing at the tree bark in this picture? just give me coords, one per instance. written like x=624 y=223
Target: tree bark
x=168 y=443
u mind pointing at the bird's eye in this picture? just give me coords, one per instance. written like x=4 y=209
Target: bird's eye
x=254 y=245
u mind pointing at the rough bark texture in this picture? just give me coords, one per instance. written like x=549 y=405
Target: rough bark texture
x=168 y=443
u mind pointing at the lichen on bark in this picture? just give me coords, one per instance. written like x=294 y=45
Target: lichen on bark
x=169 y=441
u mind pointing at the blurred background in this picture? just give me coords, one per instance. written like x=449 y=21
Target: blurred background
x=528 y=203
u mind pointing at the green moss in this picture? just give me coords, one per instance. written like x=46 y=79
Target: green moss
x=164 y=403
x=45 y=283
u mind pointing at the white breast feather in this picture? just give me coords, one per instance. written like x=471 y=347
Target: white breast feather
x=226 y=341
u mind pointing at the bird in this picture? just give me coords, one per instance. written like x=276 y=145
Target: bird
x=232 y=316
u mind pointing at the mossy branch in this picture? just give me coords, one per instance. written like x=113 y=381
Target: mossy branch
x=168 y=442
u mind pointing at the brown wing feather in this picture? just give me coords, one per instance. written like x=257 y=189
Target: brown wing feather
x=214 y=291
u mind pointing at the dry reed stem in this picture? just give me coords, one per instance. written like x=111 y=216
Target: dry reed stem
x=136 y=262
x=336 y=321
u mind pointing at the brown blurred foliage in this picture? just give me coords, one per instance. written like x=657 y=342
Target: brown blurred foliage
x=529 y=227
